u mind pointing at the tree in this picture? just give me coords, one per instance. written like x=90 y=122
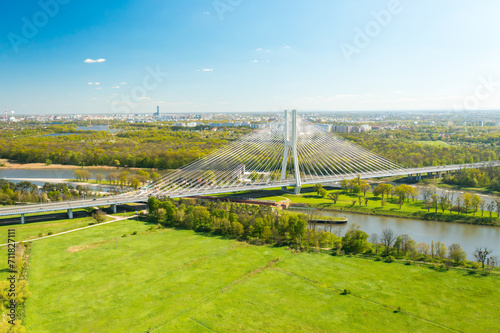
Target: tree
x=467 y=201
x=123 y=177
x=334 y=196
x=382 y=189
x=99 y=177
x=476 y=201
x=428 y=191
x=112 y=177
x=424 y=248
x=135 y=182
x=481 y=254
x=354 y=240
x=365 y=187
x=375 y=241
x=98 y=216
x=344 y=184
x=237 y=229
x=482 y=204
x=434 y=199
x=491 y=208
x=161 y=215
x=440 y=249
x=456 y=253
x=388 y=238
x=317 y=188
x=444 y=203
x=323 y=193
x=428 y=204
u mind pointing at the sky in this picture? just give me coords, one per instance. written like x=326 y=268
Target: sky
x=191 y=56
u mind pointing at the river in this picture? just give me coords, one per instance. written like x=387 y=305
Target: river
x=467 y=235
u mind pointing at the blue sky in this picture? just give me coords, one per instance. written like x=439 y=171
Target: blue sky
x=242 y=55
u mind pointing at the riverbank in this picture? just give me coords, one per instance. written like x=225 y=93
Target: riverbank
x=434 y=217
x=371 y=205
x=7 y=164
x=478 y=190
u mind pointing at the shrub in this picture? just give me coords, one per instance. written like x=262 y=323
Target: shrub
x=124 y=235
x=408 y=262
x=50 y=233
x=378 y=258
x=40 y=234
x=346 y=292
x=134 y=233
x=390 y=259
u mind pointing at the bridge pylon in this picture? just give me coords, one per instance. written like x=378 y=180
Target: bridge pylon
x=291 y=149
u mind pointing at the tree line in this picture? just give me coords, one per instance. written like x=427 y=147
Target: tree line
x=27 y=192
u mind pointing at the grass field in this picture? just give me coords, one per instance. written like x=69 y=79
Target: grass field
x=433 y=143
x=169 y=280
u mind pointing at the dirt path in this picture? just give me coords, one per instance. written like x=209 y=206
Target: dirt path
x=116 y=219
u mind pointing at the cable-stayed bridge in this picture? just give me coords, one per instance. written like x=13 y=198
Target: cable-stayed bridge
x=290 y=153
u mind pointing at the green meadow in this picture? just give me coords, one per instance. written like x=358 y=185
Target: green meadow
x=130 y=277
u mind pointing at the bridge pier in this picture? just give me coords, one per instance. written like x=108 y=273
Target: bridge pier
x=113 y=209
x=22 y=218
x=297 y=189
x=70 y=213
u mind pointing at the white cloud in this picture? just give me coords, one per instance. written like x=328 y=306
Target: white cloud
x=207 y=70
x=122 y=83
x=91 y=83
x=97 y=83
x=260 y=49
x=206 y=13
x=254 y=61
x=90 y=61
x=286 y=46
x=116 y=87
x=99 y=88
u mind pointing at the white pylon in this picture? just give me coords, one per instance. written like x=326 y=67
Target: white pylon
x=291 y=147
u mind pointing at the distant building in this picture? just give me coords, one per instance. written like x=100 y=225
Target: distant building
x=179 y=124
x=325 y=127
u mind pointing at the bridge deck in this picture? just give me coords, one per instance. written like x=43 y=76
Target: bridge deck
x=143 y=196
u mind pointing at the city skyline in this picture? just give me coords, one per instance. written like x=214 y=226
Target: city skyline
x=61 y=57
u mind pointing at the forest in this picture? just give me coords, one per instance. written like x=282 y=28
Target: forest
x=159 y=146
x=403 y=147
x=487 y=177
x=144 y=147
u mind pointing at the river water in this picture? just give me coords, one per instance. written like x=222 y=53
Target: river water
x=467 y=235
